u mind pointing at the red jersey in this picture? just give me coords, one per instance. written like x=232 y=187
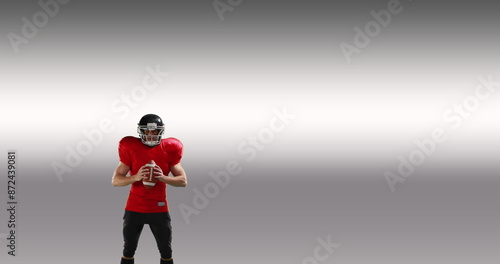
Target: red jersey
x=135 y=154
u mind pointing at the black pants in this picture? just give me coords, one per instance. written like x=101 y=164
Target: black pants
x=159 y=223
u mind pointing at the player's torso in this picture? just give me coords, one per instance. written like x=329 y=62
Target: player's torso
x=166 y=153
x=141 y=154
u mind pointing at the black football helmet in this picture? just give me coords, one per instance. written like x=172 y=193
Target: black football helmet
x=150 y=122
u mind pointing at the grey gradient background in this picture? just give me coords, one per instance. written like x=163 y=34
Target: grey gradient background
x=321 y=176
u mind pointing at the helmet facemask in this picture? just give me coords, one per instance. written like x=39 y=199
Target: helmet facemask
x=155 y=138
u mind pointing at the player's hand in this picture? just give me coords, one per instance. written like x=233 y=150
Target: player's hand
x=158 y=172
x=141 y=174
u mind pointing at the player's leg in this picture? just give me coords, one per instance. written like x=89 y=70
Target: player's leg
x=162 y=231
x=166 y=261
x=132 y=227
x=126 y=260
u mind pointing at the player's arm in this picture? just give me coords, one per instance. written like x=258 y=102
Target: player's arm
x=179 y=178
x=120 y=175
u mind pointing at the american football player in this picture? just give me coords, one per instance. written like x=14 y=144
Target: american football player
x=148 y=205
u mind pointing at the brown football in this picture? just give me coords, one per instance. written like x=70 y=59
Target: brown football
x=150 y=181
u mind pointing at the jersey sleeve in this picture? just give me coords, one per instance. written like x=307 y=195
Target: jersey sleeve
x=175 y=151
x=123 y=151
